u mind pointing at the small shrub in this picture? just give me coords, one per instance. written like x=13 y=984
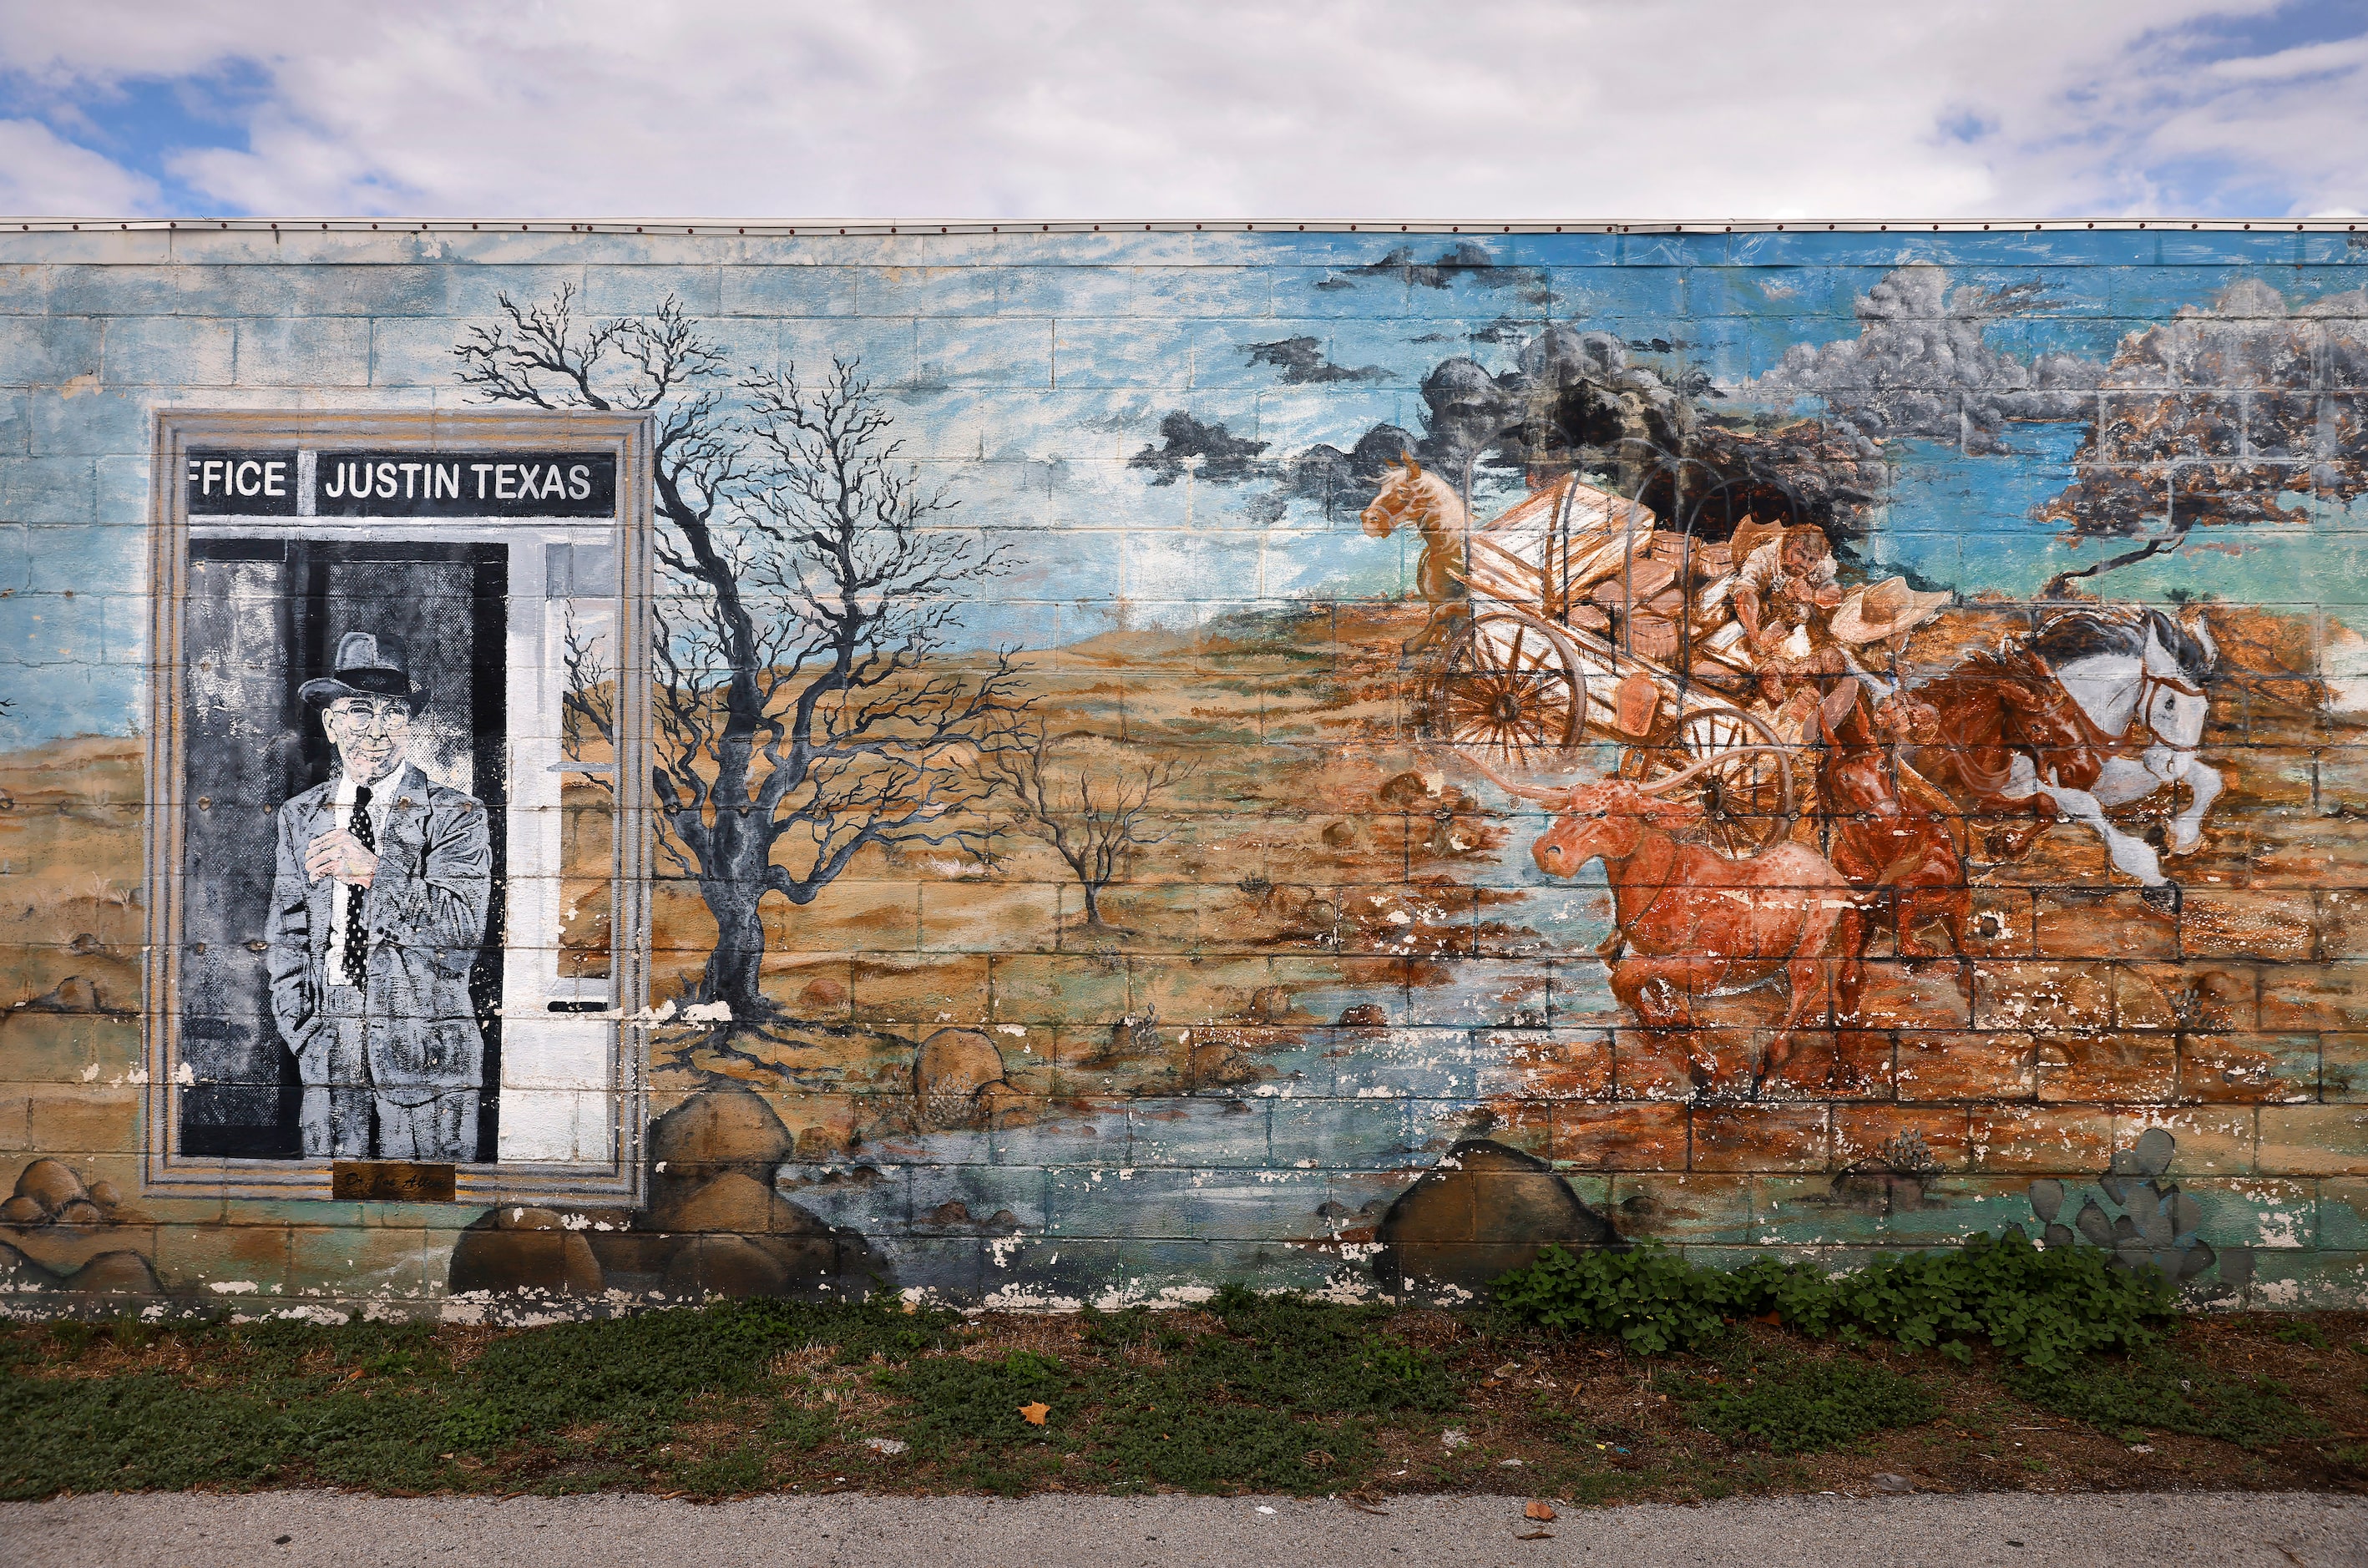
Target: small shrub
x=2044 y=1308
x=476 y=1426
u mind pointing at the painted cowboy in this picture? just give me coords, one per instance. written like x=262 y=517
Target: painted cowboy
x=1783 y=579
x=378 y=912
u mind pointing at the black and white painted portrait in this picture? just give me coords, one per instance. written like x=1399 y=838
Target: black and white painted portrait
x=340 y=990
x=399 y=915
x=382 y=882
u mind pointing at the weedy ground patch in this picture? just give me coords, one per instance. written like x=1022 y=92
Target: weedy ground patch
x=1247 y=1393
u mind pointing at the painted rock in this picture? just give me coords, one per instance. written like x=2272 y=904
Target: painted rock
x=50 y=1183
x=514 y=1248
x=75 y=994
x=949 y=1071
x=1216 y=1060
x=753 y=1265
x=725 y=1127
x=1483 y=1209
x=115 y=1273
x=18 y=1272
x=736 y=1201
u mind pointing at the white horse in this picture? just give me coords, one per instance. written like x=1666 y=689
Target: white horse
x=2138 y=675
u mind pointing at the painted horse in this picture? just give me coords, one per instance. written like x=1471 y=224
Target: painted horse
x=1892 y=832
x=1410 y=495
x=2138 y=678
x=2103 y=707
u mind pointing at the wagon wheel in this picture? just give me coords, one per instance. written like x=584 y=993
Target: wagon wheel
x=1510 y=687
x=1746 y=798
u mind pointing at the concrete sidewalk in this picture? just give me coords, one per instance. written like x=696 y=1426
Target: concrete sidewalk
x=276 y=1528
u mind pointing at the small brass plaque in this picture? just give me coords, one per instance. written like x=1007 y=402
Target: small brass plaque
x=392 y=1181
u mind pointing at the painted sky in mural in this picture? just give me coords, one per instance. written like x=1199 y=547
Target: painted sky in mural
x=1159 y=443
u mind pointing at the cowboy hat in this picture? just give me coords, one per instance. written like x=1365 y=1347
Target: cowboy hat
x=1886 y=610
x=367 y=665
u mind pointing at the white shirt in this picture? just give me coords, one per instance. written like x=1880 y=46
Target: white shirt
x=341 y=800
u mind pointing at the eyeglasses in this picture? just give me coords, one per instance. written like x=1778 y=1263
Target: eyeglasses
x=371 y=715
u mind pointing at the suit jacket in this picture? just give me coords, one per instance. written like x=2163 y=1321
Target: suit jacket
x=425 y=916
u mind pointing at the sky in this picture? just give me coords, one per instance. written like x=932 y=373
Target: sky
x=1537 y=109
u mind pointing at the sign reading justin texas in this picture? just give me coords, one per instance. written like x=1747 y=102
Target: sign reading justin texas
x=287 y=481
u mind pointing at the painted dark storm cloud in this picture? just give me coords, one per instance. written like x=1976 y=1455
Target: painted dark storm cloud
x=1301 y=361
x=1922 y=365
x=1221 y=456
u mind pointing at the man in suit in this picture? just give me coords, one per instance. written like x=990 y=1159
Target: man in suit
x=378 y=912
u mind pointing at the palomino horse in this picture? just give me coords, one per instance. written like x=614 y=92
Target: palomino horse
x=2104 y=708
x=1413 y=495
x=1431 y=505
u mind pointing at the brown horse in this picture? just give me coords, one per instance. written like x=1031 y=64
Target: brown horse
x=1990 y=710
x=1892 y=831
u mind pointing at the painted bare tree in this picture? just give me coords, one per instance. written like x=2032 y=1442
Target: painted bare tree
x=1098 y=819
x=805 y=706
x=587 y=701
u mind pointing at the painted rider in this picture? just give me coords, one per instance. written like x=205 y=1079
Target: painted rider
x=1786 y=581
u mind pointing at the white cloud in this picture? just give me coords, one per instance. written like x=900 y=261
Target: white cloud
x=41 y=174
x=1529 y=108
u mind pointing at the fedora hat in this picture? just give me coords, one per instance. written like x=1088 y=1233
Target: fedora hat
x=367 y=665
x=1885 y=609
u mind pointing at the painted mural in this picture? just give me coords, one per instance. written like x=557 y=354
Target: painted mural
x=1063 y=767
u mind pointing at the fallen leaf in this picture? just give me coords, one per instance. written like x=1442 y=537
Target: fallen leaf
x=1537 y=1511
x=1536 y=1535
x=1035 y=1413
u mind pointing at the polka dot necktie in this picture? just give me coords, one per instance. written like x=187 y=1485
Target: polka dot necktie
x=357 y=952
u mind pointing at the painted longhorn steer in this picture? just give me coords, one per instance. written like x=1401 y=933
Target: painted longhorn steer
x=1696 y=922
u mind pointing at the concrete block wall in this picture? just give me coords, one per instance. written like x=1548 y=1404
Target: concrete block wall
x=1328 y=1019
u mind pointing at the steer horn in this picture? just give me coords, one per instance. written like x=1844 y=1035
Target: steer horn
x=1525 y=791
x=1683 y=774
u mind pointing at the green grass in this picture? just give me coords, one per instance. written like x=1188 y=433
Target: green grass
x=382 y=1406
x=1283 y=1395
